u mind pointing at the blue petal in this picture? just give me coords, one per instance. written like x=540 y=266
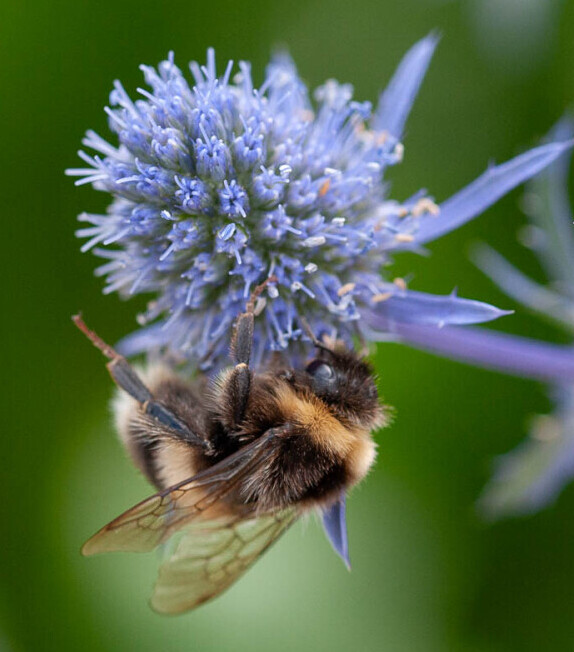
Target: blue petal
x=335 y=524
x=519 y=356
x=409 y=307
x=485 y=191
x=396 y=100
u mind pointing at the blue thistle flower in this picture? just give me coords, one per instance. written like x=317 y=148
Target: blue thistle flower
x=218 y=186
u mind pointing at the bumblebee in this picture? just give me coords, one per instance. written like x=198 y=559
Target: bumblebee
x=235 y=460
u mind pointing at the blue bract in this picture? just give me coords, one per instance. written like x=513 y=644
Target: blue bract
x=218 y=186
x=532 y=475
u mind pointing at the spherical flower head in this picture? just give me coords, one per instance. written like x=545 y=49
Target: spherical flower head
x=218 y=187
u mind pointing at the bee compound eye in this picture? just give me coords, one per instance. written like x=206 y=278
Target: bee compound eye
x=321 y=371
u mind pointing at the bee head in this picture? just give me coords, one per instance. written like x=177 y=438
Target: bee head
x=345 y=382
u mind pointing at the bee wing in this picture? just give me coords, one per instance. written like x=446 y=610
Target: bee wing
x=210 y=556
x=154 y=520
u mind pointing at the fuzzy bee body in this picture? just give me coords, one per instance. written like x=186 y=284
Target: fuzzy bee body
x=235 y=460
x=316 y=453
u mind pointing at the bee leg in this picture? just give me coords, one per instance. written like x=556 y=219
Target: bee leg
x=125 y=377
x=239 y=382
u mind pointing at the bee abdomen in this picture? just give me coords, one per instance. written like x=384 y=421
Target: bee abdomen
x=299 y=472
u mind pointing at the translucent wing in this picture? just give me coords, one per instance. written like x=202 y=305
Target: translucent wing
x=210 y=556
x=204 y=497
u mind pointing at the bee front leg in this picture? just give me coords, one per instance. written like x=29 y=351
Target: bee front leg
x=239 y=381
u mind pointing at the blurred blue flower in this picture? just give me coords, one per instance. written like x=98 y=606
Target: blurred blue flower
x=531 y=476
x=218 y=186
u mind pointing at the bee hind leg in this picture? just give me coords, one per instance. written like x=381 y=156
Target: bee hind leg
x=125 y=377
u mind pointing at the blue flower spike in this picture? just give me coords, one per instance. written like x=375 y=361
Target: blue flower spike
x=335 y=526
x=396 y=101
x=217 y=186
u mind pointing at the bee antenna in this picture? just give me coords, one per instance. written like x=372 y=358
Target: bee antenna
x=305 y=324
x=257 y=292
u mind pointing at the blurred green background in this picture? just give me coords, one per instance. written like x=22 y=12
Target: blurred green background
x=427 y=573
